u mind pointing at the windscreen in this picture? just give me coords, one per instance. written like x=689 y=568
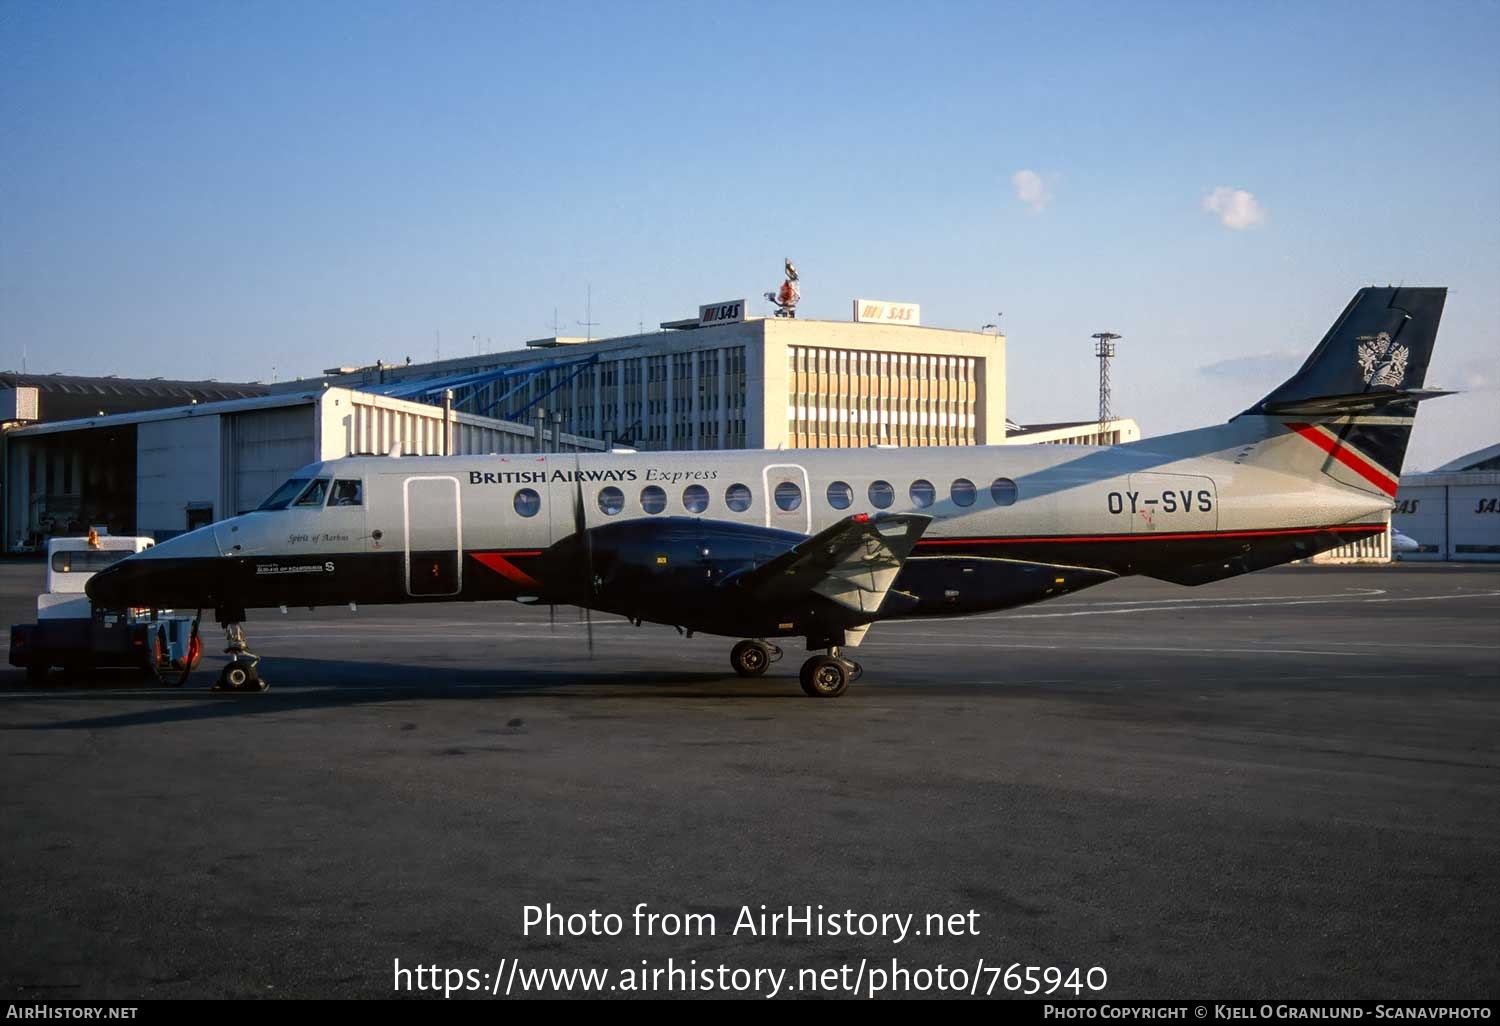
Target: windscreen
x=282 y=497
x=315 y=494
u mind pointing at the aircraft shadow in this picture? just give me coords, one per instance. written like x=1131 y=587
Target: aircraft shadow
x=310 y=684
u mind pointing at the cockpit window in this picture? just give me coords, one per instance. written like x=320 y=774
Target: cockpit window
x=346 y=493
x=282 y=497
x=314 y=496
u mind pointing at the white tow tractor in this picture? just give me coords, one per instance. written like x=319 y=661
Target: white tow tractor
x=72 y=635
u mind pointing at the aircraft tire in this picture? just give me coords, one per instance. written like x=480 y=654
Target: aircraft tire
x=750 y=659
x=239 y=675
x=825 y=677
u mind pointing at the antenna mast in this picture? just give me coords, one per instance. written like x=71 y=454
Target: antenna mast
x=1104 y=349
x=588 y=321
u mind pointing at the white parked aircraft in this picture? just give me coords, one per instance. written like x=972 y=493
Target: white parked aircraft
x=821 y=544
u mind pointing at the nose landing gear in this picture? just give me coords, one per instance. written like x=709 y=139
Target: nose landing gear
x=752 y=658
x=239 y=674
x=829 y=676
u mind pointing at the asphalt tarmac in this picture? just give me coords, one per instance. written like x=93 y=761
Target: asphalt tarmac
x=1284 y=785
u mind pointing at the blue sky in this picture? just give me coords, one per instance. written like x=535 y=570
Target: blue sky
x=241 y=190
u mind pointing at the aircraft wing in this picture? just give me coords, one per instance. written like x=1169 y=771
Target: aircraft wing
x=852 y=563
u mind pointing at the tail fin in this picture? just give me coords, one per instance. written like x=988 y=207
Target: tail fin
x=1380 y=344
x=1356 y=397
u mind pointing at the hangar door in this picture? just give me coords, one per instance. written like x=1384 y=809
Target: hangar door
x=262 y=448
x=1421 y=514
x=434 y=536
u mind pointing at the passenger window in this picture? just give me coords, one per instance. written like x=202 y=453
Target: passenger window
x=611 y=500
x=695 y=498
x=922 y=493
x=788 y=496
x=962 y=492
x=1003 y=491
x=737 y=497
x=528 y=502
x=840 y=495
x=882 y=494
x=314 y=496
x=347 y=493
x=653 y=499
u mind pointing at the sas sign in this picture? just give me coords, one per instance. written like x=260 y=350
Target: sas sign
x=731 y=312
x=878 y=311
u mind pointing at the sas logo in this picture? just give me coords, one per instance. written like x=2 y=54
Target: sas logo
x=721 y=313
x=1383 y=361
x=880 y=311
x=1487 y=506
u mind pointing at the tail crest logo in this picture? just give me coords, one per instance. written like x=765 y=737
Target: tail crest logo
x=1383 y=361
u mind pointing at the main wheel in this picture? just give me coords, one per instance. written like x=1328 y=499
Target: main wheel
x=825 y=677
x=750 y=658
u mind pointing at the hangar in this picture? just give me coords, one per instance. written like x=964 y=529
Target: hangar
x=1453 y=512
x=165 y=471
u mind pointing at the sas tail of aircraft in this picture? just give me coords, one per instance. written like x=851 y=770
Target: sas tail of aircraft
x=1348 y=412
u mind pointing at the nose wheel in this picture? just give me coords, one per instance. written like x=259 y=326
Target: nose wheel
x=829 y=676
x=239 y=674
x=753 y=658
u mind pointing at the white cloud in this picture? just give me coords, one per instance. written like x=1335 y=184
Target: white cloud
x=1255 y=369
x=1235 y=208
x=1032 y=189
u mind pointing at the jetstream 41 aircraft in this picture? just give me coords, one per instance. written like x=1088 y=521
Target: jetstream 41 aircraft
x=821 y=544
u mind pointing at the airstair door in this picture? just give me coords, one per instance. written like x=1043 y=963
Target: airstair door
x=434 y=536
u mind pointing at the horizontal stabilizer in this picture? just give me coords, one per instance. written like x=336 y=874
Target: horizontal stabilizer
x=852 y=563
x=1363 y=402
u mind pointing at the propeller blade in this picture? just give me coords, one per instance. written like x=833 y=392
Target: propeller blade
x=580 y=524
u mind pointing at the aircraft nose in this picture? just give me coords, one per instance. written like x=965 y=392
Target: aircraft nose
x=179 y=572
x=127 y=583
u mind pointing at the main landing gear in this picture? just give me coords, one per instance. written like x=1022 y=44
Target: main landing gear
x=823 y=676
x=239 y=673
x=753 y=658
x=829 y=676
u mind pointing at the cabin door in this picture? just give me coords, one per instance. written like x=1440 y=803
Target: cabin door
x=434 y=536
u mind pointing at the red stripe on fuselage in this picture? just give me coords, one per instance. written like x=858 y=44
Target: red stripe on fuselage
x=1348 y=457
x=1179 y=536
x=500 y=562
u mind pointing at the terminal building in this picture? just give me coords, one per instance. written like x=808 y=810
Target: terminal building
x=735 y=382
